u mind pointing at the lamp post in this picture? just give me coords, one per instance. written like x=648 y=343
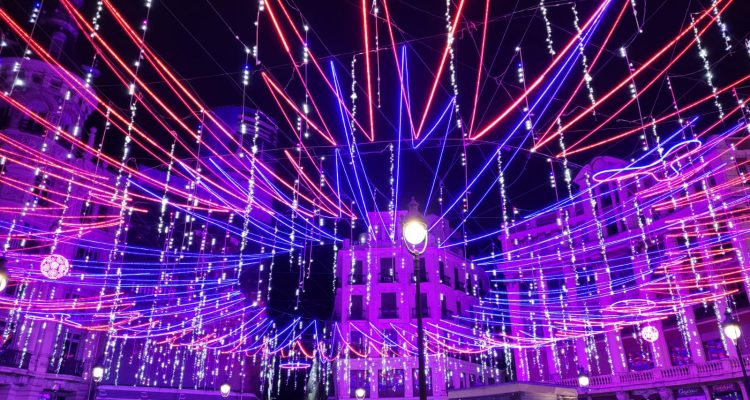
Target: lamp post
x=97 y=374
x=360 y=393
x=733 y=331
x=414 y=233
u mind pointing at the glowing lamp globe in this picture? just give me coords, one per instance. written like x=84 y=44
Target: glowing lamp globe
x=731 y=328
x=649 y=333
x=97 y=373
x=54 y=266
x=224 y=389
x=4 y=279
x=583 y=379
x=415 y=231
x=360 y=393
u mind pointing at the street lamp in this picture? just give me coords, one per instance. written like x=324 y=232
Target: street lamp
x=360 y=393
x=97 y=374
x=4 y=279
x=583 y=379
x=224 y=389
x=414 y=233
x=732 y=329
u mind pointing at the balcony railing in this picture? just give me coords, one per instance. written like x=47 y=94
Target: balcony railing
x=692 y=373
x=460 y=286
x=445 y=280
x=357 y=279
x=388 y=278
x=14 y=358
x=69 y=366
x=422 y=277
x=388 y=313
x=446 y=314
x=425 y=312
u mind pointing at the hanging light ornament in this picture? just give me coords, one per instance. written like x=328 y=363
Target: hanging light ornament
x=649 y=333
x=54 y=266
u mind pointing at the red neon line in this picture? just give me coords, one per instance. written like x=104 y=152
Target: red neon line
x=538 y=81
x=317 y=66
x=661 y=119
x=642 y=67
x=404 y=93
x=272 y=85
x=479 y=66
x=371 y=136
x=544 y=139
x=440 y=70
x=153 y=59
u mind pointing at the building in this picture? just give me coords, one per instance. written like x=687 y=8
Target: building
x=40 y=356
x=375 y=304
x=648 y=266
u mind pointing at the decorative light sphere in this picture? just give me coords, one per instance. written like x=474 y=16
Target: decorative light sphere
x=224 y=389
x=97 y=373
x=731 y=328
x=415 y=231
x=649 y=333
x=55 y=266
x=360 y=393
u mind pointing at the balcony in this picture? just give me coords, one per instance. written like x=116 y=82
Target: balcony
x=445 y=280
x=14 y=358
x=422 y=277
x=727 y=368
x=460 y=286
x=388 y=278
x=389 y=313
x=69 y=366
x=446 y=314
x=357 y=279
x=425 y=312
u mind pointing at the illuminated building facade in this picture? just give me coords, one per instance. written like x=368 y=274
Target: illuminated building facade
x=375 y=305
x=634 y=266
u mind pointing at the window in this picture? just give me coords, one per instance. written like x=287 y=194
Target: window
x=71 y=346
x=458 y=308
x=390 y=342
x=358 y=273
x=388 y=305
x=391 y=383
x=357 y=344
x=415 y=381
x=387 y=269
x=357 y=308
x=358 y=379
x=459 y=284
x=612 y=228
